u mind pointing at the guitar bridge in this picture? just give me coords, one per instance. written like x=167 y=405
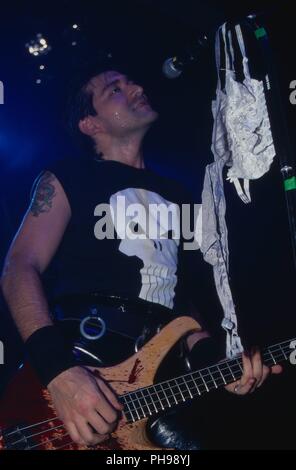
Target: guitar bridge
x=15 y=438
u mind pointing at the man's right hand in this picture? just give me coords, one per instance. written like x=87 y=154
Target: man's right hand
x=85 y=404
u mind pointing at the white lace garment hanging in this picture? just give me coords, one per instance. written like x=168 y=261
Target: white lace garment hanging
x=247 y=124
x=241 y=140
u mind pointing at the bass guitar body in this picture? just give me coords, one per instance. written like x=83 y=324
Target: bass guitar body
x=28 y=419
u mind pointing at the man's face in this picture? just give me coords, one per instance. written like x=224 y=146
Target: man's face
x=121 y=105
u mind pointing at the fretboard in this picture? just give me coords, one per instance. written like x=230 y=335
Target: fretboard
x=148 y=401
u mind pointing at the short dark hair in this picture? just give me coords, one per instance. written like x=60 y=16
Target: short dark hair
x=80 y=100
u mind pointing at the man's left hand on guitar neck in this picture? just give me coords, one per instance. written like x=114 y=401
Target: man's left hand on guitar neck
x=254 y=371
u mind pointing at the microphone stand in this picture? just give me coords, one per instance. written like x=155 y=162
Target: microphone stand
x=279 y=124
x=274 y=104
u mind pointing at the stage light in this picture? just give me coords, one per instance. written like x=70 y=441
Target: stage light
x=38 y=46
x=75 y=26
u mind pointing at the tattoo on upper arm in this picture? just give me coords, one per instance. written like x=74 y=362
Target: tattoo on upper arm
x=44 y=194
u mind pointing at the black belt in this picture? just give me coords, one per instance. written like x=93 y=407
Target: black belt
x=129 y=317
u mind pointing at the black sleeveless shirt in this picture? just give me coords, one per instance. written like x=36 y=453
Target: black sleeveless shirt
x=88 y=261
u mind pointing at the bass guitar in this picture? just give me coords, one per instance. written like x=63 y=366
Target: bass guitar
x=28 y=419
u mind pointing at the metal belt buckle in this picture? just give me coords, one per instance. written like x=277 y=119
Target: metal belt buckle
x=95 y=323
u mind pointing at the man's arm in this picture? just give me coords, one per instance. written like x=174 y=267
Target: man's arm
x=83 y=402
x=30 y=253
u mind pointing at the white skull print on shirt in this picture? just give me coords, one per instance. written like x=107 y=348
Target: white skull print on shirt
x=149 y=228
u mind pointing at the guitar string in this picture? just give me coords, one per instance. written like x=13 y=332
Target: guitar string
x=203 y=375
x=30 y=426
x=132 y=400
x=49 y=441
x=55 y=418
x=226 y=361
x=66 y=434
x=196 y=382
x=62 y=426
x=135 y=409
x=42 y=432
x=61 y=437
x=37 y=434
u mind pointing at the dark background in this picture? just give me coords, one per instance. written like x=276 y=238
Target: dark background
x=144 y=33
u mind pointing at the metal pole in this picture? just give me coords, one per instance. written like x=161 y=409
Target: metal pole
x=279 y=127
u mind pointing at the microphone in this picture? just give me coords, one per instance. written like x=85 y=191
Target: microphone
x=174 y=66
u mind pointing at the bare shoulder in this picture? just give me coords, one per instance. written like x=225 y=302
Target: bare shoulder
x=44 y=194
x=43 y=225
x=47 y=189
